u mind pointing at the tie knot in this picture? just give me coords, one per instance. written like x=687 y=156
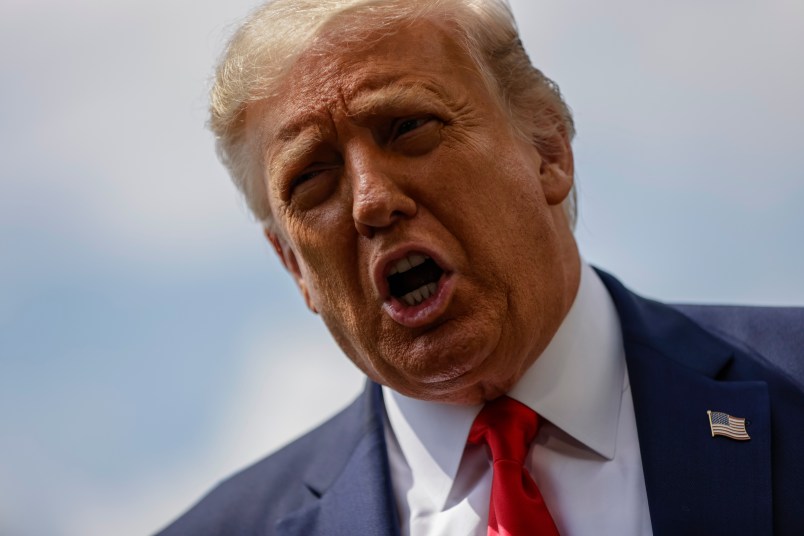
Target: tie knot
x=507 y=427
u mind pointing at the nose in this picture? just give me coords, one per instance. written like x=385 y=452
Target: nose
x=379 y=199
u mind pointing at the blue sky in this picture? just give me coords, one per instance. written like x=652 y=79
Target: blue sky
x=150 y=344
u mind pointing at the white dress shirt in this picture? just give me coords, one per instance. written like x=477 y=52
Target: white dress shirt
x=585 y=459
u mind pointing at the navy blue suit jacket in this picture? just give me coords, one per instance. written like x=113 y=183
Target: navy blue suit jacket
x=681 y=362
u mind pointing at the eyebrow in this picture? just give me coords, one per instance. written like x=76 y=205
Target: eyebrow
x=393 y=96
x=293 y=144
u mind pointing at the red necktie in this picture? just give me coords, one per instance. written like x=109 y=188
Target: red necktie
x=517 y=507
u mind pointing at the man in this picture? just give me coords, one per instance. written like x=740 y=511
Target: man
x=414 y=173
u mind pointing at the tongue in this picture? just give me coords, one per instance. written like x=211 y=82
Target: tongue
x=427 y=272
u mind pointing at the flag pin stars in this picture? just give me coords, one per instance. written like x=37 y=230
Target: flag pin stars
x=723 y=424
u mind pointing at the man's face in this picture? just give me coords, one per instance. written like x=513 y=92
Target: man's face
x=427 y=235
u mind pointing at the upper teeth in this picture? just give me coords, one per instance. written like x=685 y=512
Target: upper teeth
x=406 y=263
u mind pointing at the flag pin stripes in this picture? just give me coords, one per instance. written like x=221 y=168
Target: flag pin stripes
x=723 y=424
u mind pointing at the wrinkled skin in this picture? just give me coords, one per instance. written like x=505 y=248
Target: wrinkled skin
x=369 y=154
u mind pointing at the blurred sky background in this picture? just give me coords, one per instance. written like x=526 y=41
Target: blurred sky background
x=150 y=344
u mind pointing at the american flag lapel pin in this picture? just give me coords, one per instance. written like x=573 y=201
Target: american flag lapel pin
x=723 y=424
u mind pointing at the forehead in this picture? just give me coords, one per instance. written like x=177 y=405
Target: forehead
x=338 y=75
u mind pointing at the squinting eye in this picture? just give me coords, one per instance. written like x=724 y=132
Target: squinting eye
x=408 y=125
x=304 y=177
x=312 y=186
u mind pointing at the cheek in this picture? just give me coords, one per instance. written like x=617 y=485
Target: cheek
x=325 y=241
x=335 y=274
x=328 y=274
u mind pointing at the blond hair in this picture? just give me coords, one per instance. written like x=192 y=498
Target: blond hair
x=273 y=36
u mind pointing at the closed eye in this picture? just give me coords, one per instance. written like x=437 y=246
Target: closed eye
x=313 y=185
x=408 y=125
x=416 y=136
x=304 y=177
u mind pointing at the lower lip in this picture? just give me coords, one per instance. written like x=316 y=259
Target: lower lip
x=425 y=313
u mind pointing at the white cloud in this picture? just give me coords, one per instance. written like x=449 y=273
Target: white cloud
x=689 y=96
x=284 y=387
x=109 y=137
x=289 y=381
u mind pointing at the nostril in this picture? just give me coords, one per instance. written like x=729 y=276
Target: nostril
x=364 y=230
x=402 y=214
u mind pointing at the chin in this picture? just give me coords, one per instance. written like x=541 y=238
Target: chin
x=472 y=387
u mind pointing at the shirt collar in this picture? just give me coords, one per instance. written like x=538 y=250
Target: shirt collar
x=576 y=384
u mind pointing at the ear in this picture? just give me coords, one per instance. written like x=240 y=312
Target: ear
x=557 y=171
x=288 y=259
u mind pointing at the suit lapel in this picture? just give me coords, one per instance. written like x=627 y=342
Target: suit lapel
x=696 y=483
x=352 y=495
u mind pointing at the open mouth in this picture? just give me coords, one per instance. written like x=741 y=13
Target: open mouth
x=414 y=278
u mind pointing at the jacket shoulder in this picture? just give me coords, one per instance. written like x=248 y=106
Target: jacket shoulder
x=775 y=333
x=254 y=499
